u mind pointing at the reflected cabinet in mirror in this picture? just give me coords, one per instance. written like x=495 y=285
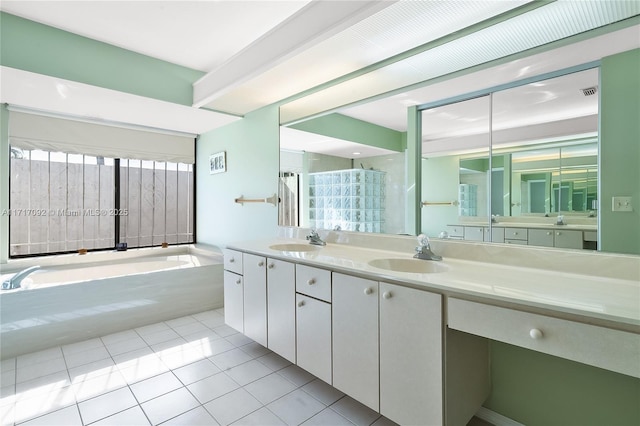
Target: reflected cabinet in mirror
x=517 y=166
x=339 y=184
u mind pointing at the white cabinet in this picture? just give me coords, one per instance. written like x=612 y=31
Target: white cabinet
x=568 y=239
x=474 y=233
x=313 y=332
x=233 y=301
x=355 y=338
x=233 y=261
x=255 y=297
x=540 y=237
x=411 y=381
x=281 y=308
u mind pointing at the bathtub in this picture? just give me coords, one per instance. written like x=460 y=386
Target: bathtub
x=77 y=297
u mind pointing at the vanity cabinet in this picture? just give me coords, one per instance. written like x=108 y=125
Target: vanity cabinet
x=255 y=297
x=355 y=338
x=540 y=237
x=568 y=239
x=233 y=290
x=281 y=308
x=313 y=333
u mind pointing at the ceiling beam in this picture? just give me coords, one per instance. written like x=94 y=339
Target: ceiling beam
x=312 y=24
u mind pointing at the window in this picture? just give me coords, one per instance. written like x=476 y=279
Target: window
x=61 y=202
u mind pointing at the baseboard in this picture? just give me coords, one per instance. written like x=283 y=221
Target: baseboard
x=495 y=418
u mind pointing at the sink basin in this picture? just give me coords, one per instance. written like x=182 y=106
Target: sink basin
x=416 y=266
x=294 y=247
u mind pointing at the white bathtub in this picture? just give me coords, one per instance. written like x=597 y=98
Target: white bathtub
x=73 y=298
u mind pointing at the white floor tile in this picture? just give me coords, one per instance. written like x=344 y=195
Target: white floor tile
x=85 y=345
x=134 y=358
x=194 y=327
x=143 y=371
x=239 y=340
x=119 y=337
x=99 y=385
x=296 y=375
x=169 y=345
x=270 y=388
x=323 y=392
x=383 y=421
x=249 y=372
x=33 y=371
x=327 y=417
x=213 y=322
x=170 y=405
x=196 y=417
x=133 y=416
x=155 y=386
x=296 y=407
x=68 y=416
x=177 y=322
x=230 y=359
x=43 y=384
x=38 y=357
x=212 y=387
x=225 y=330
x=124 y=346
x=160 y=336
x=232 y=406
x=88 y=356
x=196 y=371
x=274 y=361
x=255 y=350
x=261 y=417
x=29 y=408
x=202 y=337
x=182 y=357
x=355 y=412
x=92 y=370
x=152 y=328
x=201 y=316
x=106 y=405
x=212 y=347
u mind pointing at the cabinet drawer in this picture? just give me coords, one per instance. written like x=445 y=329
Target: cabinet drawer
x=313 y=282
x=233 y=261
x=455 y=231
x=515 y=234
x=474 y=233
x=613 y=350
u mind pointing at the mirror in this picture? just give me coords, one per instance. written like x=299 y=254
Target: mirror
x=328 y=182
x=515 y=166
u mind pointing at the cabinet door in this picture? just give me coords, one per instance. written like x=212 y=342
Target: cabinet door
x=410 y=355
x=233 y=301
x=541 y=237
x=569 y=239
x=233 y=261
x=255 y=297
x=281 y=309
x=355 y=338
x=474 y=233
x=313 y=336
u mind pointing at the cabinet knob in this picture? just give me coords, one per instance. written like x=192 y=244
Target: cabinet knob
x=535 y=334
x=312 y=281
x=549 y=233
x=238 y=281
x=480 y=230
x=232 y=260
x=515 y=233
x=261 y=263
x=387 y=295
x=271 y=266
x=557 y=233
x=301 y=304
x=368 y=290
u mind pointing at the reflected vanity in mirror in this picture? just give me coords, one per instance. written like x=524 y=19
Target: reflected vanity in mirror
x=519 y=164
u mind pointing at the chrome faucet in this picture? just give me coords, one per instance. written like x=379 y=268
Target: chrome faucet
x=315 y=239
x=423 y=251
x=14 y=281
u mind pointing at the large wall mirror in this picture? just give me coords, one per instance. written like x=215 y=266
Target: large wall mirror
x=516 y=166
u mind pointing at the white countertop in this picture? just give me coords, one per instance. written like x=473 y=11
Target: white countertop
x=608 y=301
x=570 y=226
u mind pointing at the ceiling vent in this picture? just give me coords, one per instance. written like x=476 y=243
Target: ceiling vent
x=589 y=91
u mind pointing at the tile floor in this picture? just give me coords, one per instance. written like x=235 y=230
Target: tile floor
x=188 y=371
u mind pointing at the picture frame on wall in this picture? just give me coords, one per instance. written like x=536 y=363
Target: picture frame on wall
x=218 y=162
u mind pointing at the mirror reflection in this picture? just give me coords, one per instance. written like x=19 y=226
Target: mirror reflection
x=517 y=166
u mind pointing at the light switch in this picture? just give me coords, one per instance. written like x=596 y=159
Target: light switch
x=621 y=204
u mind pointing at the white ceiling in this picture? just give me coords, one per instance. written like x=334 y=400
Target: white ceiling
x=215 y=36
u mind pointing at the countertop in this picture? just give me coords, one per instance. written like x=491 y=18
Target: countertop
x=575 y=227
x=607 y=301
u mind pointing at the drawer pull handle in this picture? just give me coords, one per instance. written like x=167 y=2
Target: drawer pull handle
x=557 y=233
x=535 y=334
x=271 y=266
x=301 y=304
x=548 y=233
x=387 y=295
x=232 y=260
x=368 y=290
x=261 y=263
x=238 y=281
x=312 y=281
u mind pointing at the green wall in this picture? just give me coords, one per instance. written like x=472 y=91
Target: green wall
x=354 y=130
x=252 y=147
x=542 y=390
x=620 y=151
x=38 y=48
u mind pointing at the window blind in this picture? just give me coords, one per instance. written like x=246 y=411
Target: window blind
x=34 y=131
